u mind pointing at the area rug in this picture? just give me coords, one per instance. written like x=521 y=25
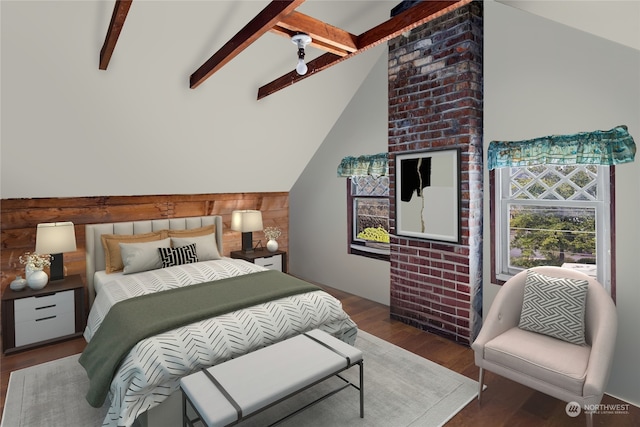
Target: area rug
x=401 y=390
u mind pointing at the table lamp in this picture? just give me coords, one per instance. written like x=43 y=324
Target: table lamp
x=246 y=221
x=55 y=238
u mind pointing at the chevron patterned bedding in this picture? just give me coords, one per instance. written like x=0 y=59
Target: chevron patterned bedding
x=151 y=371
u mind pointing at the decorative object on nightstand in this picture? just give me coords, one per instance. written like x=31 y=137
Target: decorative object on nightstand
x=18 y=284
x=55 y=238
x=34 y=264
x=37 y=280
x=272 y=234
x=246 y=221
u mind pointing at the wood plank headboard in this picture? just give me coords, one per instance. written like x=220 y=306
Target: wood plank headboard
x=95 y=257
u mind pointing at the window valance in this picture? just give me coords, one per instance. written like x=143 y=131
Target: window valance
x=609 y=147
x=372 y=164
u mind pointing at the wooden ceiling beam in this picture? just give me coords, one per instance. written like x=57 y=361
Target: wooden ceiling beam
x=409 y=19
x=320 y=31
x=119 y=15
x=315 y=43
x=273 y=13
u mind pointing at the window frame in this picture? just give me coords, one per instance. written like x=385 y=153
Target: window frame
x=355 y=247
x=605 y=215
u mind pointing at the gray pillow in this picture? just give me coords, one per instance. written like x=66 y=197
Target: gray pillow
x=206 y=247
x=554 y=306
x=144 y=256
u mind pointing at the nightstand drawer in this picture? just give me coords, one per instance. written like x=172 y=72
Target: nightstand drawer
x=45 y=328
x=272 y=262
x=33 y=308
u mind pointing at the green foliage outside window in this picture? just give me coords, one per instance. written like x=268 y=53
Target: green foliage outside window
x=551 y=236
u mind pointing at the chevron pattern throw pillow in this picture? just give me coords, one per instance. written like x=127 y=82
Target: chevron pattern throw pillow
x=178 y=256
x=554 y=306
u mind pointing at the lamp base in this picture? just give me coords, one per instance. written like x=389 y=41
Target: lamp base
x=247 y=242
x=56 y=269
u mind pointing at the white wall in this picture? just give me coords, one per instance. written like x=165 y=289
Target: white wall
x=318 y=201
x=544 y=78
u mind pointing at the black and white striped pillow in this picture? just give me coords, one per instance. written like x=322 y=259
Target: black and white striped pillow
x=178 y=256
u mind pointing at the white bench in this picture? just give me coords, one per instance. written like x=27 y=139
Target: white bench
x=228 y=393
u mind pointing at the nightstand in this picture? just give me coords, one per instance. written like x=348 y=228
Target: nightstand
x=272 y=260
x=33 y=318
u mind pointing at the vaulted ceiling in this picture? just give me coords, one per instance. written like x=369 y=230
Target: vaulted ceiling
x=615 y=20
x=282 y=18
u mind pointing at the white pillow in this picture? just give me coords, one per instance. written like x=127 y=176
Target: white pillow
x=206 y=247
x=144 y=256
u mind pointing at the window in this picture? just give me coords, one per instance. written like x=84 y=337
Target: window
x=552 y=202
x=553 y=215
x=368 y=216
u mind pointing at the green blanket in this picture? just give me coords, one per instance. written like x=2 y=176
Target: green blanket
x=135 y=319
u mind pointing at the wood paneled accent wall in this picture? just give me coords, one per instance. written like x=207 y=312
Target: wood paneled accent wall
x=20 y=217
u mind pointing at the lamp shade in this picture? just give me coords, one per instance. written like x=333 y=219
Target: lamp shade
x=55 y=238
x=246 y=221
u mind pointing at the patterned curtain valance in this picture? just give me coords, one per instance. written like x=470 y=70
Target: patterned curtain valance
x=372 y=164
x=609 y=147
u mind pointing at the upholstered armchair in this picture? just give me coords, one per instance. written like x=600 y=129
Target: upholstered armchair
x=526 y=338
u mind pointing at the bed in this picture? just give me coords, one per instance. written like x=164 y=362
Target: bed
x=148 y=373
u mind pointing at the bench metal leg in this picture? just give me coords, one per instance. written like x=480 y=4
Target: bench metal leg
x=186 y=421
x=361 y=363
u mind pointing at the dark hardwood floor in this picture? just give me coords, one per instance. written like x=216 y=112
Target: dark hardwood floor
x=505 y=403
